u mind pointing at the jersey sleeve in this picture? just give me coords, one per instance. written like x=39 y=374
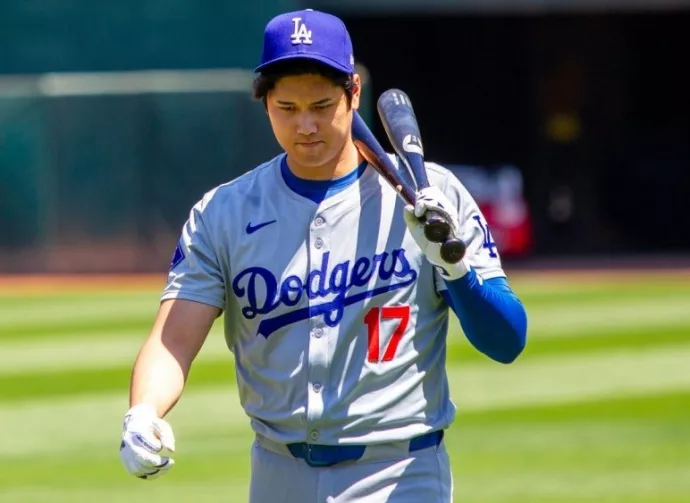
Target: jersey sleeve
x=195 y=272
x=482 y=253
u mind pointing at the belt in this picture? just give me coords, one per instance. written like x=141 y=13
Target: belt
x=328 y=455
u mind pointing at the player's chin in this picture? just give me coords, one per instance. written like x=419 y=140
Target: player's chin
x=312 y=155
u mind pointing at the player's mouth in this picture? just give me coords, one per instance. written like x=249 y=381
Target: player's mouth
x=309 y=144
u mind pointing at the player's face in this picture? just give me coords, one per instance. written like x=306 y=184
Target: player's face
x=311 y=119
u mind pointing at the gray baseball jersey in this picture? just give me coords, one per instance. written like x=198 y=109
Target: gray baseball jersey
x=331 y=310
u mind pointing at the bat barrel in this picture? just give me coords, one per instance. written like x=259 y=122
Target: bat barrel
x=399 y=121
x=397 y=115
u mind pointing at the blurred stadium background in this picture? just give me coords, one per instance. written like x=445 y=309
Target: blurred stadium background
x=569 y=121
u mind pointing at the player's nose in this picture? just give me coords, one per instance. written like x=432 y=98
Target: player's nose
x=306 y=124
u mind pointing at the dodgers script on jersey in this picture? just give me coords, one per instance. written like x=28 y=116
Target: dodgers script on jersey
x=331 y=310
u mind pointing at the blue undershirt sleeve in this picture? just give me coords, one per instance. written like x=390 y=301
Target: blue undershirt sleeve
x=491 y=315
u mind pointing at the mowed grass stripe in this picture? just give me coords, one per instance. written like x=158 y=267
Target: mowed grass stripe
x=646 y=484
x=97 y=352
x=562 y=379
x=668 y=405
x=584 y=292
x=56 y=317
x=605 y=339
x=38 y=300
x=573 y=281
x=231 y=488
x=579 y=319
x=99 y=328
x=37 y=385
x=102 y=348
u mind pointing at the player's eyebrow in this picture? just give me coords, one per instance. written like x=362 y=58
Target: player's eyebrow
x=318 y=102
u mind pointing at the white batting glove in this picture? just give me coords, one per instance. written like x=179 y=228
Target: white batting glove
x=432 y=198
x=145 y=437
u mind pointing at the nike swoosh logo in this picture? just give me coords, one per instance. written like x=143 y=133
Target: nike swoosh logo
x=253 y=228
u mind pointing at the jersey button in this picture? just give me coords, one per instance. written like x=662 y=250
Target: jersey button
x=318 y=222
x=317 y=387
x=318 y=243
x=318 y=332
x=314 y=435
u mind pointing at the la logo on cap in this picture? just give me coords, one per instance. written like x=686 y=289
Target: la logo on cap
x=301 y=35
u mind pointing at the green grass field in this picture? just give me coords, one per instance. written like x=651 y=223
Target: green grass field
x=596 y=410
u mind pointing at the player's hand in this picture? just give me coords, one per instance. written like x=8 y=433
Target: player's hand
x=431 y=198
x=145 y=437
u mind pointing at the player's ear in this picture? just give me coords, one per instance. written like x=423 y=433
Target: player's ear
x=356 y=91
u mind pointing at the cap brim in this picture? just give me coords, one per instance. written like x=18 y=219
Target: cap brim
x=313 y=57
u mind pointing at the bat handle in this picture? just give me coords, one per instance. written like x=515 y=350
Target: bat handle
x=453 y=250
x=437 y=230
x=436 y=227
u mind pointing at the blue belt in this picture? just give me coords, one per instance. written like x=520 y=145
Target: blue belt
x=328 y=455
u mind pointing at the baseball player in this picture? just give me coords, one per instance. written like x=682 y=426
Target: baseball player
x=336 y=306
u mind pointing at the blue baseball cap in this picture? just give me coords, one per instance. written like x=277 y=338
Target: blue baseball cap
x=308 y=34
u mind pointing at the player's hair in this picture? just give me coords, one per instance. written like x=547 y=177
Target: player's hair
x=267 y=79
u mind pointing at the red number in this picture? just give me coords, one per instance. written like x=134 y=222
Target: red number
x=373 y=320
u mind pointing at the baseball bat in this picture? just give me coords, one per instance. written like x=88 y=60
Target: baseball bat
x=401 y=126
x=374 y=154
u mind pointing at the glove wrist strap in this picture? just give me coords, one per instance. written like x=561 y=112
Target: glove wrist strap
x=451 y=272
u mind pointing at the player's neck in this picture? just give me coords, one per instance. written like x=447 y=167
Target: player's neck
x=343 y=164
